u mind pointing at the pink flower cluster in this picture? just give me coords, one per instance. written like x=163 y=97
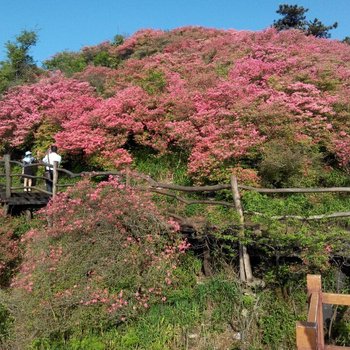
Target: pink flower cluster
x=220 y=96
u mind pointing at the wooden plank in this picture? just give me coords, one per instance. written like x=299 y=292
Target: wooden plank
x=336 y=299
x=306 y=336
x=314 y=285
x=28 y=198
x=296 y=189
x=335 y=347
x=313 y=308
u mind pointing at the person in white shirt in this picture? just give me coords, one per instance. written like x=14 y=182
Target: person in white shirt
x=51 y=157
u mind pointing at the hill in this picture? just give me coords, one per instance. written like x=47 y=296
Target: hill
x=103 y=266
x=226 y=100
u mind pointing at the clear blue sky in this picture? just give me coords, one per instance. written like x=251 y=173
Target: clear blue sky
x=72 y=24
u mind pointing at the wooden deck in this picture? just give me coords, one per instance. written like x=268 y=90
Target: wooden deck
x=25 y=199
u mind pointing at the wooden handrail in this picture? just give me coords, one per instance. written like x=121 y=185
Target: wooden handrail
x=208 y=188
x=7 y=175
x=32 y=188
x=336 y=299
x=165 y=188
x=313 y=308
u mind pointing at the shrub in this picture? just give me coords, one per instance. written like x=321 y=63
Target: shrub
x=10 y=253
x=107 y=257
x=287 y=163
x=154 y=82
x=67 y=62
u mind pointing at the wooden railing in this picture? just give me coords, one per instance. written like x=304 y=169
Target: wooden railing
x=310 y=334
x=9 y=175
x=171 y=190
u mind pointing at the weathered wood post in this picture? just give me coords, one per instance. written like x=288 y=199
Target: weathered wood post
x=314 y=286
x=8 y=180
x=7 y=175
x=245 y=269
x=310 y=334
x=54 y=179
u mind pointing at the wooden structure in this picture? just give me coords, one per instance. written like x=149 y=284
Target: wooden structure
x=20 y=197
x=15 y=197
x=310 y=334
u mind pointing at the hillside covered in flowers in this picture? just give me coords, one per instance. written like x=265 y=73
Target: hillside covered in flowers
x=229 y=101
x=106 y=264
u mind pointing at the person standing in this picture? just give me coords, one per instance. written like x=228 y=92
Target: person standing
x=51 y=157
x=28 y=181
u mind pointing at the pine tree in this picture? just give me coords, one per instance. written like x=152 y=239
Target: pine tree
x=294 y=18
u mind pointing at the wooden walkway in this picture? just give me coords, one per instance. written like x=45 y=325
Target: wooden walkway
x=25 y=199
x=23 y=202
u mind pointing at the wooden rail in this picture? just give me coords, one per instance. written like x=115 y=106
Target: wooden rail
x=9 y=176
x=310 y=334
x=172 y=189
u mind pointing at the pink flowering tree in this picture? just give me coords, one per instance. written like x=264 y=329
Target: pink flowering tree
x=218 y=96
x=55 y=99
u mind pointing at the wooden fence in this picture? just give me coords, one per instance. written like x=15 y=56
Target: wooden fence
x=172 y=190
x=9 y=175
x=310 y=334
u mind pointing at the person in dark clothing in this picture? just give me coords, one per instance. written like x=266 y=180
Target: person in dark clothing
x=28 y=181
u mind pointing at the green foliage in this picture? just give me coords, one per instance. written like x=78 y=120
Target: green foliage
x=5 y=324
x=334 y=178
x=74 y=62
x=103 y=58
x=294 y=18
x=118 y=40
x=43 y=136
x=19 y=66
x=327 y=81
x=289 y=164
x=209 y=56
x=278 y=322
x=319 y=30
x=147 y=46
x=170 y=167
x=341 y=328
x=67 y=62
x=154 y=82
x=17 y=52
x=222 y=69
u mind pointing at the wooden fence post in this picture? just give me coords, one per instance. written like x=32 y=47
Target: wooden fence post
x=245 y=269
x=8 y=175
x=306 y=335
x=314 y=285
x=54 y=179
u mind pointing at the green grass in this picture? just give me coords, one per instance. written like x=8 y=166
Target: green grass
x=209 y=312
x=169 y=167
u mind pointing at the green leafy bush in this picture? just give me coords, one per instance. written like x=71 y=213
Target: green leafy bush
x=285 y=163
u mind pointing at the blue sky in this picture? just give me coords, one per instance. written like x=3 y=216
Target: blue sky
x=72 y=24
